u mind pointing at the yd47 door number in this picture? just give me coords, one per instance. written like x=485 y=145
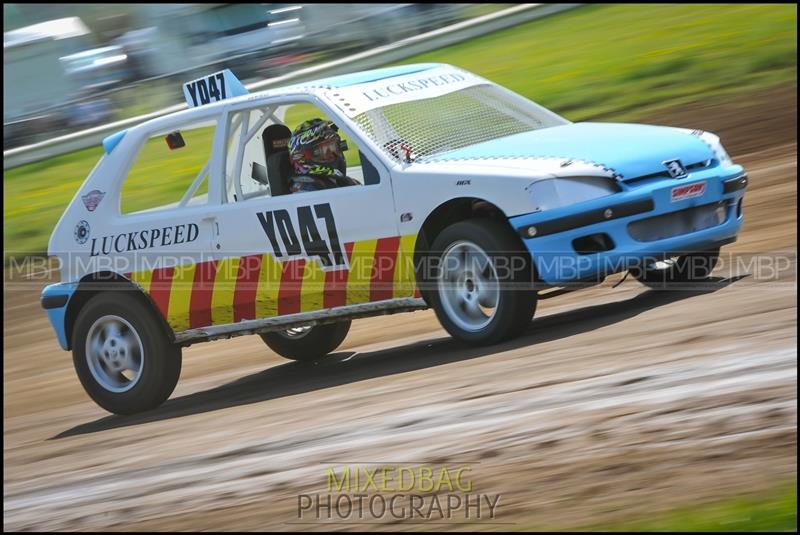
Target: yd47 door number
x=278 y=225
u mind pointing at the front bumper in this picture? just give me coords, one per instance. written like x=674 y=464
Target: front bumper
x=611 y=234
x=55 y=300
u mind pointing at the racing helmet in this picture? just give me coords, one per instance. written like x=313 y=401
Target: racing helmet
x=316 y=149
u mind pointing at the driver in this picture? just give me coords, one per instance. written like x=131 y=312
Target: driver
x=317 y=159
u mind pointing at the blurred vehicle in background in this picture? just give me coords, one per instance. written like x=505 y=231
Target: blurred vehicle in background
x=261 y=42
x=97 y=68
x=138 y=45
x=36 y=79
x=239 y=34
x=359 y=26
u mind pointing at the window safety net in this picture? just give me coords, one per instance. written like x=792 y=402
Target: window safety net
x=422 y=129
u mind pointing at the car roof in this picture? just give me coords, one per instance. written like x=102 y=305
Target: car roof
x=363 y=77
x=343 y=80
x=309 y=87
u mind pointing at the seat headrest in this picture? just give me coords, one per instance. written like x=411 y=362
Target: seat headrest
x=276 y=138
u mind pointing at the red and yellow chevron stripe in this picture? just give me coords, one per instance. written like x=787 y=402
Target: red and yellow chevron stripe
x=233 y=289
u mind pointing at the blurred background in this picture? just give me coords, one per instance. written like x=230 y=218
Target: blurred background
x=75 y=66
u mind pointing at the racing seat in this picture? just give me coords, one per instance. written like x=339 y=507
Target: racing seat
x=276 y=150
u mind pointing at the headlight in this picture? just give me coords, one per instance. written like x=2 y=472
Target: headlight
x=556 y=192
x=716 y=146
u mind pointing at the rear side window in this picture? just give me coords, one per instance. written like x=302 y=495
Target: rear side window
x=170 y=170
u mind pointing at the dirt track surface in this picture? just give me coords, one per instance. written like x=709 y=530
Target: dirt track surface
x=616 y=403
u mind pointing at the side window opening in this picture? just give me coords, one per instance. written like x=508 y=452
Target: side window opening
x=258 y=160
x=246 y=173
x=170 y=170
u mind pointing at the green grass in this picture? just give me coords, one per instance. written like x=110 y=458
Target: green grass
x=775 y=511
x=608 y=59
x=614 y=61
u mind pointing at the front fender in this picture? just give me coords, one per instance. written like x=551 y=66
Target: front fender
x=55 y=300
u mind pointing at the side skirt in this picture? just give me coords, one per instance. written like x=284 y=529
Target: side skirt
x=318 y=317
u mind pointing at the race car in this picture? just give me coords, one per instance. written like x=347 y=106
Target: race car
x=468 y=198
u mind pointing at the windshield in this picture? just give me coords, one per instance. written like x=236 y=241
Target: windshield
x=432 y=126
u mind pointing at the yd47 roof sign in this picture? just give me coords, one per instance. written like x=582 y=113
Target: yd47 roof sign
x=213 y=88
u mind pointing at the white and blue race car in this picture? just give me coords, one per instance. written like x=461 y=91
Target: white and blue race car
x=469 y=199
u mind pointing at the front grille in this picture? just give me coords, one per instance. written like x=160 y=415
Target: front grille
x=678 y=223
x=698 y=166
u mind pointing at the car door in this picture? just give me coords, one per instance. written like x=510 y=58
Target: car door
x=301 y=252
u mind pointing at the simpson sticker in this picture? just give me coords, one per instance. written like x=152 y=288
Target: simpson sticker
x=92 y=199
x=145 y=239
x=688 y=191
x=279 y=224
x=82 y=231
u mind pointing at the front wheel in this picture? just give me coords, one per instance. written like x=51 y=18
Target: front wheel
x=307 y=343
x=684 y=270
x=122 y=355
x=481 y=282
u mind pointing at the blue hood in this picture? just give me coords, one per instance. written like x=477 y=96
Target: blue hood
x=630 y=150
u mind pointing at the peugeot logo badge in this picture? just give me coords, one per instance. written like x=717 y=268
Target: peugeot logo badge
x=675 y=168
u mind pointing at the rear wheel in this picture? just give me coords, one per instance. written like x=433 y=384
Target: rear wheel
x=122 y=354
x=307 y=343
x=480 y=282
x=685 y=269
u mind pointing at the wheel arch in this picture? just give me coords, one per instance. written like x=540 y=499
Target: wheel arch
x=453 y=211
x=107 y=281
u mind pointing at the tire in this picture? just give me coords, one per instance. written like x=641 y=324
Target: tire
x=307 y=344
x=486 y=303
x=110 y=331
x=685 y=270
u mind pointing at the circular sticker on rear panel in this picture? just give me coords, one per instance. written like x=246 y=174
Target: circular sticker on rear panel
x=82 y=232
